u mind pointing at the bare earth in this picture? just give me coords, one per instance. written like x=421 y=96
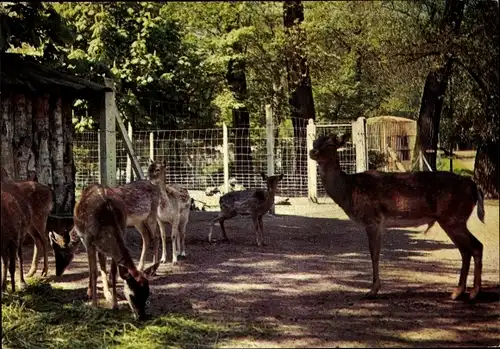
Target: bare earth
x=305 y=286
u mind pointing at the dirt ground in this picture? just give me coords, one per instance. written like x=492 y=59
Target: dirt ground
x=305 y=286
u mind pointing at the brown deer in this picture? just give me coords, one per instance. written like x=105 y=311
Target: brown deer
x=141 y=199
x=39 y=199
x=174 y=208
x=253 y=202
x=14 y=224
x=100 y=221
x=388 y=200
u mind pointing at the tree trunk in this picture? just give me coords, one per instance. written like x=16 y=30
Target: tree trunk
x=68 y=162
x=21 y=136
x=41 y=129
x=486 y=169
x=57 y=153
x=7 y=135
x=236 y=79
x=299 y=82
x=435 y=87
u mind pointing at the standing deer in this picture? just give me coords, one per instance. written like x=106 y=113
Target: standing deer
x=141 y=199
x=378 y=200
x=100 y=220
x=14 y=224
x=39 y=199
x=174 y=208
x=253 y=202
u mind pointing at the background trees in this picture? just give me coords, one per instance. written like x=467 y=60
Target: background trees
x=198 y=65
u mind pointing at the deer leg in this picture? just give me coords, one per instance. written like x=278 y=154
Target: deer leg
x=163 y=235
x=374 y=233
x=104 y=277
x=182 y=231
x=40 y=231
x=256 y=224
x=212 y=222
x=91 y=254
x=21 y=271
x=175 y=240
x=36 y=248
x=468 y=246
x=12 y=268
x=112 y=273
x=261 y=228
x=146 y=240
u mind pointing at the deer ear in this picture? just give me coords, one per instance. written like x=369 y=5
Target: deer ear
x=341 y=140
x=263 y=175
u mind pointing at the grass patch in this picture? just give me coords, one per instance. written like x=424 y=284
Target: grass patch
x=42 y=316
x=463 y=167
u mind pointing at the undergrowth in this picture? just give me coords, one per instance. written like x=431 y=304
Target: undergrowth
x=42 y=316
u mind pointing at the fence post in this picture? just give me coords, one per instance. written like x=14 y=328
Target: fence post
x=359 y=140
x=107 y=139
x=128 y=170
x=225 y=149
x=312 y=186
x=152 y=146
x=270 y=145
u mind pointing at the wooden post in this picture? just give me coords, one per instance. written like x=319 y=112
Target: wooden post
x=128 y=170
x=359 y=140
x=225 y=147
x=312 y=185
x=420 y=161
x=152 y=146
x=107 y=139
x=270 y=146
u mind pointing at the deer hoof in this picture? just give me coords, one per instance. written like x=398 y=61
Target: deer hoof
x=457 y=293
x=181 y=257
x=163 y=260
x=30 y=273
x=473 y=294
x=44 y=273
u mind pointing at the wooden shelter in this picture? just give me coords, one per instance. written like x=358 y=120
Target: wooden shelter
x=37 y=128
x=393 y=136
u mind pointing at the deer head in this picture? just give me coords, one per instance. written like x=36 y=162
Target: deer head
x=325 y=149
x=64 y=250
x=272 y=181
x=136 y=289
x=157 y=171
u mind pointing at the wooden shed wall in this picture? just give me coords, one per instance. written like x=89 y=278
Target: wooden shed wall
x=37 y=143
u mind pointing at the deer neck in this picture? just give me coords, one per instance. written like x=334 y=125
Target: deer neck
x=336 y=185
x=271 y=193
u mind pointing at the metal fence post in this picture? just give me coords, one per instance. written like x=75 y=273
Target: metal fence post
x=270 y=145
x=312 y=185
x=359 y=140
x=225 y=149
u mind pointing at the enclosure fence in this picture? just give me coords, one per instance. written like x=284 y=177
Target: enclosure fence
x=200 y=159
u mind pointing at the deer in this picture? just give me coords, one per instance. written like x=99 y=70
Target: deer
x=377 y=201
x=141 y=199
x=14 y=224
x=174 y=208
x=253 y=202
x=39 y=198
x=100 y=219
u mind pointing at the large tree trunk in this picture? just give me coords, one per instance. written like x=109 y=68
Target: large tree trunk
x=299 y=81
x=7 y=136
x=57 y=153
x=435 y=87
x=22 y=136
x=236 y=79
x=486 y=169
x=41 y=131
x=69 y=164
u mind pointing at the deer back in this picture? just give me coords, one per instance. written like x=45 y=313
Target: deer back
x=14 y=222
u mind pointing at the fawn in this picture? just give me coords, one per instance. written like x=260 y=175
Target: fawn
x=140 y=199
x=253 y=202
x=14 y=224
x=100 y=220
x=378 y=200
x=39 y=199
x=174 y=208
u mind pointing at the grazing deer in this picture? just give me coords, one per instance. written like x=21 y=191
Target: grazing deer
x=39 y=199
x=388 y=200
x=174 y=208
x=14 y=224
x=253 y=202
x=100 y=221
x=141 y=199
